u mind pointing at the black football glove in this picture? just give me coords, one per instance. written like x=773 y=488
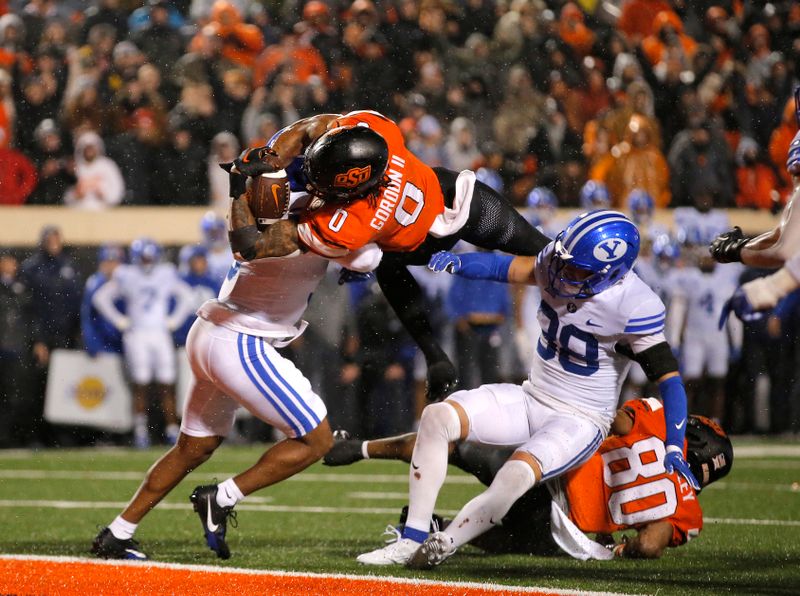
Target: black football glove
x=237 y=182
x=256 y=161
x=727 y=247
x=441 y=381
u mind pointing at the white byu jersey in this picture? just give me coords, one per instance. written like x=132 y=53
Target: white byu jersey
x=704 y=295
x=575 y=360
x=267 y=297
x=146 y=292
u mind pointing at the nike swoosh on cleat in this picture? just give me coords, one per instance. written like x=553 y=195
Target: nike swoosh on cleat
x=134 y=554
x=415 y=466
x=680 y=426
x=589 y=322
x=212 y=527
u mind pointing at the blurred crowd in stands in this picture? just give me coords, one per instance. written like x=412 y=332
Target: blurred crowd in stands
x=112 y=102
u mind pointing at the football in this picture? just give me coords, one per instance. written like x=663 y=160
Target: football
x=268 y=197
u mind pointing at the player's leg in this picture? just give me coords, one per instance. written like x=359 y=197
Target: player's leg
x=137 y=361
x=405 y=297
x=165 y=373
x=692 y=365
x=253 y=374
x=559 y=443
x=492 y=414
x=717 y=350
x=493 y=222
x=208 y=417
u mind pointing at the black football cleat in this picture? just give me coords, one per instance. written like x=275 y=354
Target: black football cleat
x=107 y=546
x=345 y=451
x=213 y=518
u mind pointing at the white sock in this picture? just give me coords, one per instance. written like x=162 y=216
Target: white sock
x=122 y=529
x=439 y=426
x=512 y=481
x=228 y=494
x=364 y=452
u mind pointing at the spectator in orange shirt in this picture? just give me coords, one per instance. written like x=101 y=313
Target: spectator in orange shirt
x=638 y=163
x=779 y=143
x=636 y=19
x=573 y=31
x=756 y=180
x=241 y=42
x=667 y=33
x=17 y=177
x=302 y=61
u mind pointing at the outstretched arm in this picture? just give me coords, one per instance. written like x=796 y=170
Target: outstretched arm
x=649 y=543
x=486 y=265
x=296 y=137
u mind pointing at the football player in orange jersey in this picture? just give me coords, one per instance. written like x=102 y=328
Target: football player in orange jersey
x=372 y=189
x=622 y=487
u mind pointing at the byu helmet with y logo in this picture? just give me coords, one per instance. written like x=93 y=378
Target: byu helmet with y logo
x=592 y=253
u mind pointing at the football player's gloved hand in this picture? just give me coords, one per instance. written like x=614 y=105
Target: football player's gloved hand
x=256 y=161
x=237 y=182
x=441 y=381
x=348 y=276
x=445 y=261
x=727 y=247
x=675 y=462
x=793 y=161
x=741 y=307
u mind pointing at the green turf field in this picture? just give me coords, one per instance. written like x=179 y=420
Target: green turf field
x=51 y=502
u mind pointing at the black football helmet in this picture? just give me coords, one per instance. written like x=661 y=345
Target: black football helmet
x=346 y=163
x=709 y=451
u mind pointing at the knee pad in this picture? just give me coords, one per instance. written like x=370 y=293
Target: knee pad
x=441 y=418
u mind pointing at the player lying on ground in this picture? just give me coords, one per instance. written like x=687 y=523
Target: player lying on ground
x=778 y=248
x=371 y=189
x=596 y=315
x=232 y=351
x=623 y=486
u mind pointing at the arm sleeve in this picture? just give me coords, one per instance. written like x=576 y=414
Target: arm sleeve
x=485 y=265
x=184 y=303
x=673 y=395
x=91 y=341
x=103 y=301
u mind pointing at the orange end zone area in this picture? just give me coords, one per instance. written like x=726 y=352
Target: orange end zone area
x=30 y=575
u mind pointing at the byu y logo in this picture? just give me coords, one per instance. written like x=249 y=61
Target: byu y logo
x=610 y=249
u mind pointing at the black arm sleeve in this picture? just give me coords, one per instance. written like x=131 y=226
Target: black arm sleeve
x=656 y=361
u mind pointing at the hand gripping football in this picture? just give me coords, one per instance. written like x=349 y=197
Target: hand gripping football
x=268 y=197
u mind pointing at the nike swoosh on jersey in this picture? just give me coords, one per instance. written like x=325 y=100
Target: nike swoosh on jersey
x=212 y=527
x=589 y=322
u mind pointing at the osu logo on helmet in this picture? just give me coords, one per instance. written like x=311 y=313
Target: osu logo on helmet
x=352 y=177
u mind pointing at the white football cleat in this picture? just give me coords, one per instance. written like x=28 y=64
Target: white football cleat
x=396 y=553
x=437 y=548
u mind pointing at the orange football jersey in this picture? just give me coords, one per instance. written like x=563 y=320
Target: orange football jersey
x=624 y=485
x=397 y=220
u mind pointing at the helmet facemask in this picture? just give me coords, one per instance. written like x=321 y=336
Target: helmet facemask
x=571 y=279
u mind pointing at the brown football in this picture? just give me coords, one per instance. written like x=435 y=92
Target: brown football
x=268 y=197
